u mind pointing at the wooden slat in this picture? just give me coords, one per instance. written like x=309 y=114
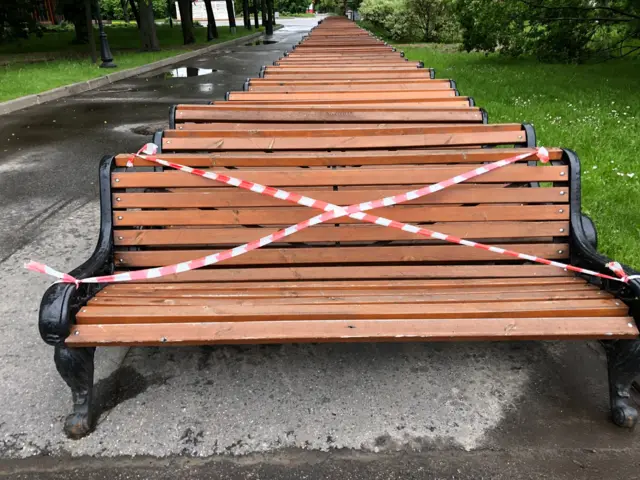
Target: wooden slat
x=366 y=87
x=260 y=159
x=361 y=285
x=298 y=114
x=322 y=176
x=342 y=143
x=343 y=62
x=330 y=127
x=351 y=331
x=426 y=105
x=204 y=130
x=427 y=101
x=282 y=295
x=346 y=233
x=246 y=313
x=338 y=299
x=324 y=69
x=239 y=199
x=400 y=75
x=289 y=216
x=386 y=272
x=369 y=81
x=397 y=105
x=340 y=97
x=343 y=255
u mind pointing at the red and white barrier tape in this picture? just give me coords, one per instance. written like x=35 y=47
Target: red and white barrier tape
x=331 y=212
x=618 y=270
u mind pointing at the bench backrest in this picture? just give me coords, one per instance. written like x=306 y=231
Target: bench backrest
x=162 y=217
x=327 y=113
x=344 y=138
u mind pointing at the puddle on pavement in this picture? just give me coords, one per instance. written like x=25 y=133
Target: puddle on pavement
x=260 y=42
x=183 y=72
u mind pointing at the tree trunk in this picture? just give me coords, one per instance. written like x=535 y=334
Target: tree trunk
x=246 y=14
x=77 y=14
x=427 y=30
x=186 y=21
x=92 y=40
x=136 y=14
x=148 y=38
x=169 y=12
x=255 y=13
x=124 y=4
x=263 y=10
x=272 y=7
x=232 y=17
x=269 y=29
x=212 y=30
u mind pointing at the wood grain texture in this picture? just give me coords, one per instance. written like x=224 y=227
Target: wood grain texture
x=289 y=216
x=441 y=254
x=246 y=313
x=310 y=158
x=176 y=237
x=399 y=330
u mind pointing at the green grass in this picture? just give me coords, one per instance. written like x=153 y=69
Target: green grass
x=592 y=109
x=41 y=64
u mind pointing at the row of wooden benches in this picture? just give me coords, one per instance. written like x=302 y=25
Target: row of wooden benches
x=345 y=119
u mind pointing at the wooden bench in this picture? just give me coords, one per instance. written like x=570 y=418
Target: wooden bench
x=345 y=281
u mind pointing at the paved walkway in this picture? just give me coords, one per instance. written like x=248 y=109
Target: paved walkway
x=536 y=403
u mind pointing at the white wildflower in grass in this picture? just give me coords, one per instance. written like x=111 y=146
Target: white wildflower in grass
x=631 y=175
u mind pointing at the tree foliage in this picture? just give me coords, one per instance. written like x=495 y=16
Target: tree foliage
x=292 y=6
x=412 y=20
x=112 y=9
x=551 y=30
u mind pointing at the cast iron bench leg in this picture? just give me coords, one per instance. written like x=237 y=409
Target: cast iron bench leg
x=624 y=366
x=75 y=366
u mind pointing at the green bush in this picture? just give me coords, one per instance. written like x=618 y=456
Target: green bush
x=550 y=30
x=292 y=6
x=328 y=6
x=412 y=20
x=112 y=9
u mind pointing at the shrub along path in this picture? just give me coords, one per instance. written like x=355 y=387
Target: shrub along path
x=593 y=109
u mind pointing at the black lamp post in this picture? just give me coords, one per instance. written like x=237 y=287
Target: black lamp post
x=105 y=51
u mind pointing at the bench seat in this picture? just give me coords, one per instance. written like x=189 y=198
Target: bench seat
x=502 y=308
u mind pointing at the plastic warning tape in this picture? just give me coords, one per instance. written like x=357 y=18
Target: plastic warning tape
x=355 y=211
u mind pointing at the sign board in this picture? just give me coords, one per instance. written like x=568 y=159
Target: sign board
x=200 y=11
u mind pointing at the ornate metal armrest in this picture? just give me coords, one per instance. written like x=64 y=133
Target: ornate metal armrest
x=61 y=301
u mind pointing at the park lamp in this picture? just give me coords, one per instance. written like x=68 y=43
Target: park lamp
x=105 y=51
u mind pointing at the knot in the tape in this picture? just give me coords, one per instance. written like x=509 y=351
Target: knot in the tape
x=543 y=154
x=147 y=149
x=616 y=268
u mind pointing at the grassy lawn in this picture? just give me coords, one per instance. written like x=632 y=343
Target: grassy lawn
x=592 y=109
x=51 y=61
